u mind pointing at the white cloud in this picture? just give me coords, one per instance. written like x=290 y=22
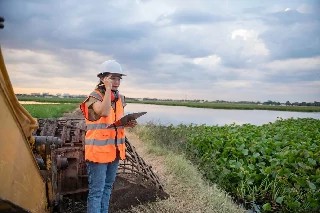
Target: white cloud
x=242 y=33
x=208 y=62
x=305 y=8
x=35 y=63
x=235 y=84
x=252 y=45
x=167 y=58
x=294 y=65
x=71 y=70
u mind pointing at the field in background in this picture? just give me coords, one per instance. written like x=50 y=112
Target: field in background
x=51 y=99
x=49 y=110
x=49 y=107
x=211 y=105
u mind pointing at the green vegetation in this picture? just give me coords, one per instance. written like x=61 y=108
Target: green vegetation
x=214 y=105
x=50 y=100
x=274 y=167
x=188 y=190
x=49 y=110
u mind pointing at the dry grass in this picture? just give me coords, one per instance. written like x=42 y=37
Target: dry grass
x=188 y=191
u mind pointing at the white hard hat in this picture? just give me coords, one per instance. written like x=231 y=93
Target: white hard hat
x=110 y=67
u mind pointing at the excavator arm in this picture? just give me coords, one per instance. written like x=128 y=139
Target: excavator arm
x=22 y=187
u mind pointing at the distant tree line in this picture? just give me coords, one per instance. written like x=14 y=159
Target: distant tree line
x=288 y=103
x=47 y=95
x=269 y=102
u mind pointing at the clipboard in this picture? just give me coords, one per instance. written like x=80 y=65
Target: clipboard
x=125 y=119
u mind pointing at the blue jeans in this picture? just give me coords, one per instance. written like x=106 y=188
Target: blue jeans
x=101 y=177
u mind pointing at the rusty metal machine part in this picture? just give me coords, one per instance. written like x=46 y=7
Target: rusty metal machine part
x=60 y=143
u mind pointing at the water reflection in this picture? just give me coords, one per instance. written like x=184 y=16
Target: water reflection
x=186 y=115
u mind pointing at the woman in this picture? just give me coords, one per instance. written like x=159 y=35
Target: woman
x=104 y=146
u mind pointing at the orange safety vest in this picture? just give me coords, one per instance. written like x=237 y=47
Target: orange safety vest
x=101 y=143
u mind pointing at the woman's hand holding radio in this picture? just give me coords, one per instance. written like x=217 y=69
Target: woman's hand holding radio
x=107 y=82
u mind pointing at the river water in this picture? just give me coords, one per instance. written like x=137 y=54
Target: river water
x=175 y=115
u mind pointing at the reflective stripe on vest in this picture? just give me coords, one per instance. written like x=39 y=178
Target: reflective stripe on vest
x=101 y=126
x=104 y=142
x=101 y=142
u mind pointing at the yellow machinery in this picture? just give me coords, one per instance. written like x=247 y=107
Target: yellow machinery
x=22 y=187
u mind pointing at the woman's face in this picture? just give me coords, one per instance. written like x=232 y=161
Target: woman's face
x=115 y=82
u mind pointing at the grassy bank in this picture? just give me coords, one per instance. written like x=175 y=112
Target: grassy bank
x=272 y=168
x=49 y=110
x=189 y=192
x=51 y=99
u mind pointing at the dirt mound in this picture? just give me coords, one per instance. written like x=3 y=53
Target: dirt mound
x=125 y=195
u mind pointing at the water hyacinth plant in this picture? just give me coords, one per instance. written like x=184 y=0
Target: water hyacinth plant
x=274 y=167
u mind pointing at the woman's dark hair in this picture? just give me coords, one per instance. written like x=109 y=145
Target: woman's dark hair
x=100 y=86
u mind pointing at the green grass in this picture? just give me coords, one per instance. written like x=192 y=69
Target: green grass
x=50 y=100
x=49 y=110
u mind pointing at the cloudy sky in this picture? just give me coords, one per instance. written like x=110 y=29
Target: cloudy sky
x=230 y=50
